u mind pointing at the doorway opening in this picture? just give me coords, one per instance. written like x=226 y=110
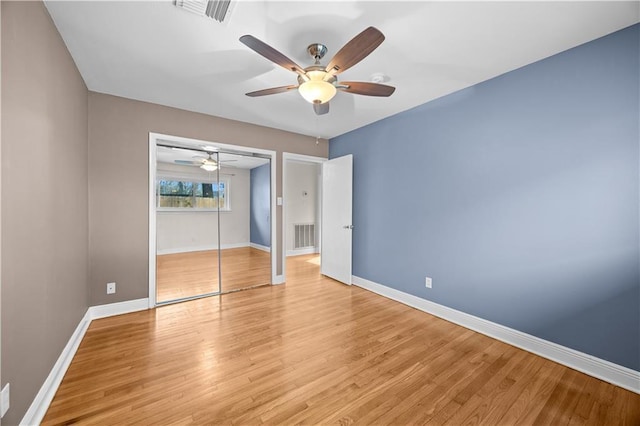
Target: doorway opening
x=210 y=218
x=302 y=206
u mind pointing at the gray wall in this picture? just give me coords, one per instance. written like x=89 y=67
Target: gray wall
x=260 y=205
x=118 y=181
x=44 y=200
x=518 y=196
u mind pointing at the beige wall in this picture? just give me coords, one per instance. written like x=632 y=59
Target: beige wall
x=44 y=200
x=118 y=181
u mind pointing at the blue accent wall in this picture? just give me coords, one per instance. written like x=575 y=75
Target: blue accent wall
x=519 y=196
x=259 y=205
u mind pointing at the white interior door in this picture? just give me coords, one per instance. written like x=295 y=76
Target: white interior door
x=337 y=199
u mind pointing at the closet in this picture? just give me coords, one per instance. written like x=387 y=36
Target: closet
x=213 y=221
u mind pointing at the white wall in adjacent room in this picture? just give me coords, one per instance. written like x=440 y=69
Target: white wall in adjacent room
x=302 y=178
x=183 y=231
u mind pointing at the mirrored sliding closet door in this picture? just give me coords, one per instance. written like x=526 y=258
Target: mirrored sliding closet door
x=213 y=221
x=189 y=196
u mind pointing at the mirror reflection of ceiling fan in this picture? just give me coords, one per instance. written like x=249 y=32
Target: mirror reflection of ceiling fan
x=206 y=163
x=318 y=84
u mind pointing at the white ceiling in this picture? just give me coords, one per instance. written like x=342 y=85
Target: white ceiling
x=155 y=52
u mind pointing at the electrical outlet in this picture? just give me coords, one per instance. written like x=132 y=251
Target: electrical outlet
x=111 y=288
x=4 y=400
x=427 y=282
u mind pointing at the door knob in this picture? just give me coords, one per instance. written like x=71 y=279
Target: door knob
x=348 y=227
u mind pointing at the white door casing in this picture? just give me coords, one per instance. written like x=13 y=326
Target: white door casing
x=337 y=208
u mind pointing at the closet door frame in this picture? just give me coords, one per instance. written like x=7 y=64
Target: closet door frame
x=154 y=138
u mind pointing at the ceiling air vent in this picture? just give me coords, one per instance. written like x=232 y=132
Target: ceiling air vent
x=215 y=9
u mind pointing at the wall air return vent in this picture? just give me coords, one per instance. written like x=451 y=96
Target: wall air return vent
x=304 y=235
x=214 y=9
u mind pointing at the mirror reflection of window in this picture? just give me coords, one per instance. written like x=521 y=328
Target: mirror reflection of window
x=175 y=194
x=180 y=194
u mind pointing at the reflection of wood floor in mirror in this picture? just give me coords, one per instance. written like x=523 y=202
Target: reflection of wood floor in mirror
x=194 y=273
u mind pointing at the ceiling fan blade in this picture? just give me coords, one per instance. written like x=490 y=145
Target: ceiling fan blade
x=355 y=50
x=270 y=53
x=271 y=91
x=188 y=163
x=365 y=88
x=321 y=109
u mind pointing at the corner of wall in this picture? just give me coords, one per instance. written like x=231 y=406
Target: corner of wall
x=1 y=383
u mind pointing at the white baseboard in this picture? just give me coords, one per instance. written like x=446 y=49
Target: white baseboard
x=205 y=247
x=260 y=247
x=300 y=252
x=40 y=404
x=119 y=308
x=279 y=279
x=233 y=245
x=601 y=369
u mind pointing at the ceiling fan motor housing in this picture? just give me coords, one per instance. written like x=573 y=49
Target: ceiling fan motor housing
x=317 y=51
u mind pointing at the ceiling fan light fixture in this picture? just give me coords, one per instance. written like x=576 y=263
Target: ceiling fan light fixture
x=209 y=167
x=316 y=89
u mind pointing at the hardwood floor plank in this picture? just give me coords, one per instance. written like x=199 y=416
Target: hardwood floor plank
x=314 y=351
x=492 y=391
x=631 y=415
x=531 y=400
x=585 y=402
x=508 y=390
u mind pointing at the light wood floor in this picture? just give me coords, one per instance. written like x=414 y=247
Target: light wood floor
x=315 y=351
x=190 y=274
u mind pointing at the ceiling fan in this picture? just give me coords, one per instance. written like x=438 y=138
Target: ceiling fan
x=205 y=163
x=319 y=84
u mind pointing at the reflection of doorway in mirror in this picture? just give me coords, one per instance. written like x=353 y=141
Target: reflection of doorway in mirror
x=251 y=266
